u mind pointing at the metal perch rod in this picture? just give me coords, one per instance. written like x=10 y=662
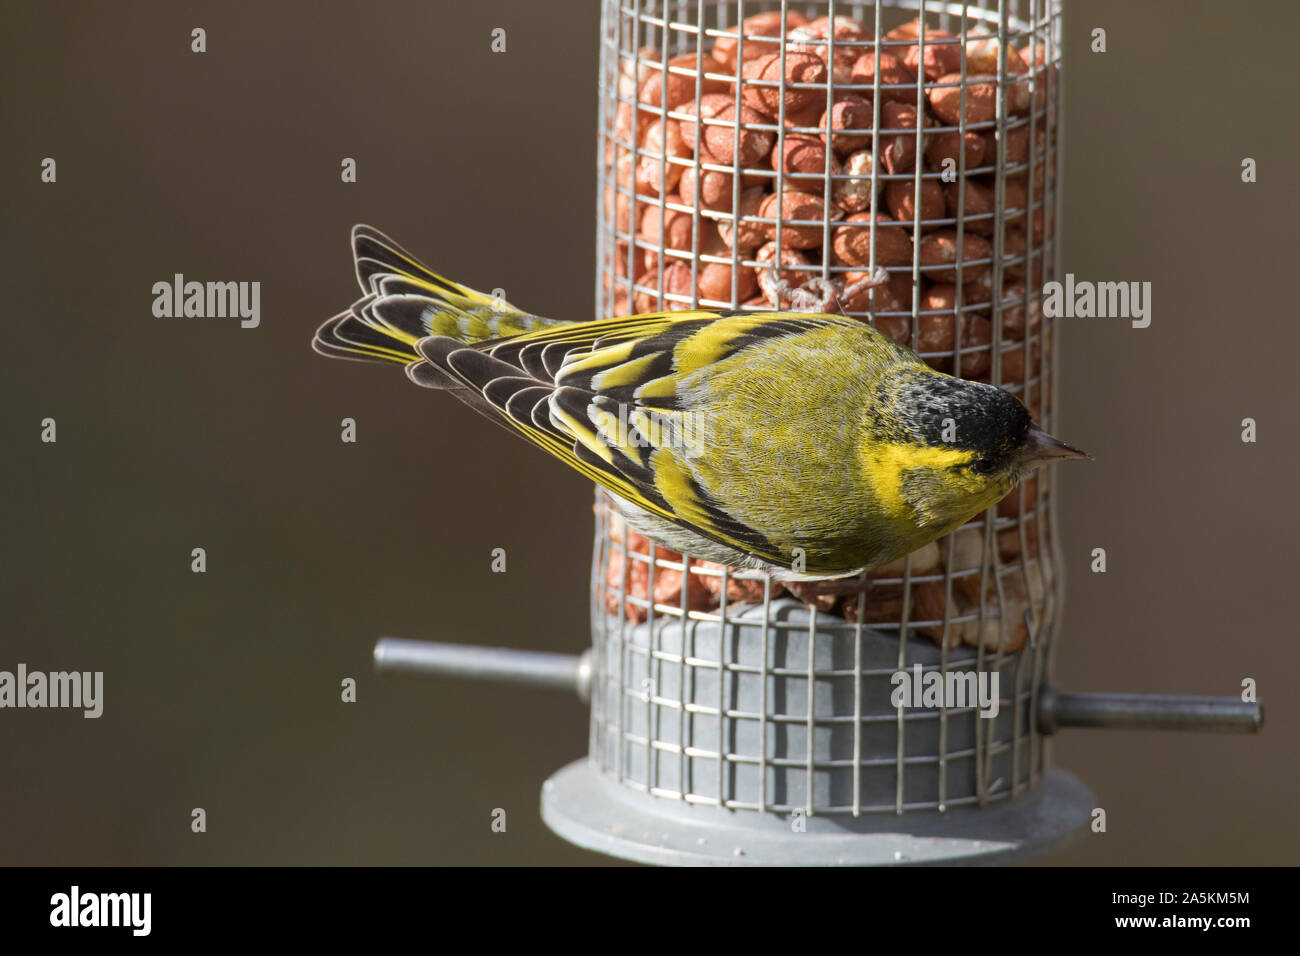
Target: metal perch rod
x=1148 y=712
x=1056 y=709
x=536 y=668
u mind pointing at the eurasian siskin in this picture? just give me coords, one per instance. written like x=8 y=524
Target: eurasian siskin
x=808 y=445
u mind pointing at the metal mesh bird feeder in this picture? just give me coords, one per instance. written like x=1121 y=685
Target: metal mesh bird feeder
x=898 y=162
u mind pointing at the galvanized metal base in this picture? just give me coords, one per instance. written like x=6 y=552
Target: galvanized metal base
x=585 y=807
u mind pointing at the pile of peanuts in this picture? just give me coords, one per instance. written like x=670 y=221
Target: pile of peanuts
x=880 y=601
x=732 y=211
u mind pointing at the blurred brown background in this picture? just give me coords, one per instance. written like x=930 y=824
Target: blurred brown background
x=222 y=689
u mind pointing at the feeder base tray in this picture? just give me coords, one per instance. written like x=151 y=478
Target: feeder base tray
x=585 y=807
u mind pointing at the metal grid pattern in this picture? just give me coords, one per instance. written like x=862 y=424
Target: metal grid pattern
x=767 y=704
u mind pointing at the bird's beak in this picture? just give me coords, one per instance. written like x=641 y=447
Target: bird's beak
x=1040 y=448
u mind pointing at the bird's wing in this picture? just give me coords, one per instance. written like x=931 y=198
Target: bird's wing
x=603 y=398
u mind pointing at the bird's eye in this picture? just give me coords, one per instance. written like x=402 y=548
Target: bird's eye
x=982 y=466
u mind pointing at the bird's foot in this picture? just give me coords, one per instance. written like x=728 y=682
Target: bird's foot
x=818 y=294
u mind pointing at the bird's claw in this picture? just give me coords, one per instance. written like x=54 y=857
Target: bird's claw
x=818 y=294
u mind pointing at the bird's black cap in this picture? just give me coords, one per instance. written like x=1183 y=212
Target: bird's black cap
x=941 y=410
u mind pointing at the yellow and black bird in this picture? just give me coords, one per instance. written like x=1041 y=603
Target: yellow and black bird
x=770 y=440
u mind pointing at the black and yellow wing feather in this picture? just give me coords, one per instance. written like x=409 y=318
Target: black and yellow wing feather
x=610 y=399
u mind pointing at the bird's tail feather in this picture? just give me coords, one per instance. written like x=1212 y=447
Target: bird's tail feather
x=406 y=301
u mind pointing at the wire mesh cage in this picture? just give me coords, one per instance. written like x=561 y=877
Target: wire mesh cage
x=897 y=162
x=898 y=167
